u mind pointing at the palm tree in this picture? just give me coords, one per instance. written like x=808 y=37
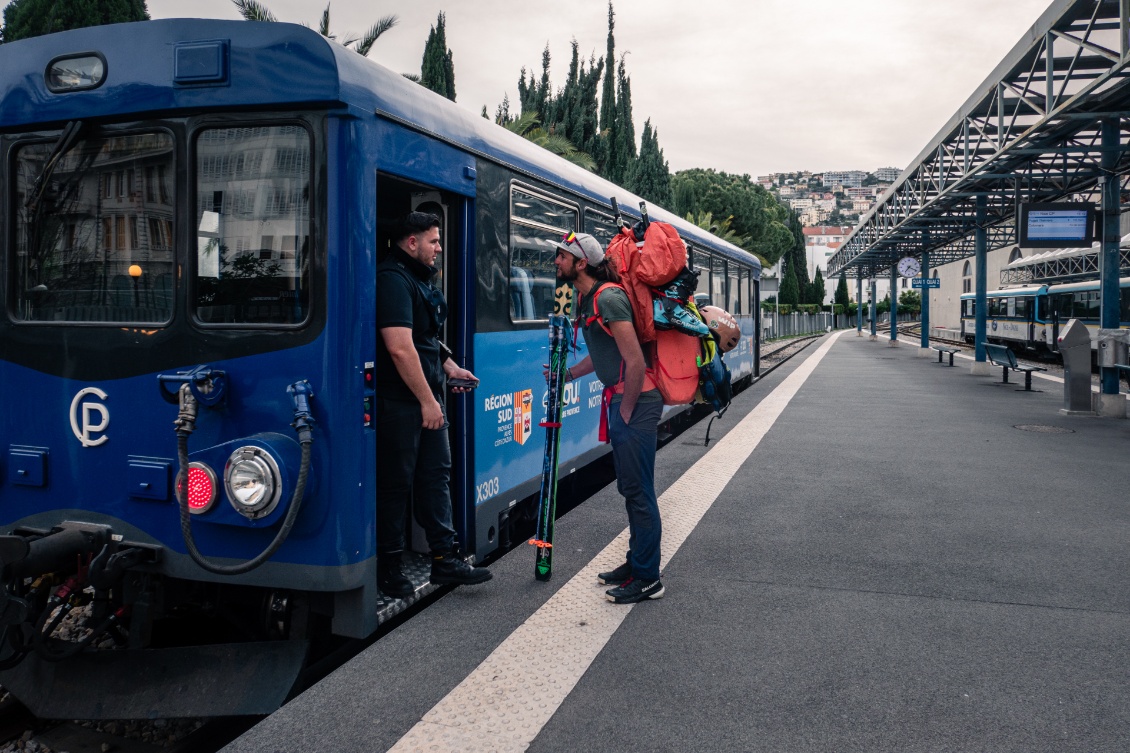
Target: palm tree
x=529 y=128
x=255 y=11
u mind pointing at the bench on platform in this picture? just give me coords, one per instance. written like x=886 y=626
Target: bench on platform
x=1006 y=359
x=942 y=349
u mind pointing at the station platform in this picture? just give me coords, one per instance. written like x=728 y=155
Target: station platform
x=875 y=553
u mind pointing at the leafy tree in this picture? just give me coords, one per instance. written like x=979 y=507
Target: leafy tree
x=32 y=18
x=790 y=291
x=756 y=213
x=251 y=10
x=649 y=176
x=910 y=302
x=437 y=71
x=723 y=229
x=883 y=306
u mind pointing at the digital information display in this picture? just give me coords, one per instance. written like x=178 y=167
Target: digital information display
x=1058 y=224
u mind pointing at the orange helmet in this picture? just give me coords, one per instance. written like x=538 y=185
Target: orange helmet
x=723 y=326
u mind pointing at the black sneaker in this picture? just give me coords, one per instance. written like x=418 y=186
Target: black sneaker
x=616 y=577
x=391 y=579
x=449 y=568
x=636 y=590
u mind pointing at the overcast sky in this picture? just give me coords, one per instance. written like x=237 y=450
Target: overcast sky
x=744 y=86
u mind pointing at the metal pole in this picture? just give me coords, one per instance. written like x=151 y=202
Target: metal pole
x=925 y=341
x=894 y=304
x=980 y=250
x=859 y=304
x=1109 y=302
x=873 y=313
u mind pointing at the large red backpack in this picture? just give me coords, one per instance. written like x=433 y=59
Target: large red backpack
x=674 y=356
x=647 y=264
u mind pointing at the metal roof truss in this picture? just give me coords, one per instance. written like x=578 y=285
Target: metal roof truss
x=1031 y=132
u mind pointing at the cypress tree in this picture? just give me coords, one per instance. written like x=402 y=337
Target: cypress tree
x=790 y=293
x=32 y=18
x=843 y=298
x=437 y=71
x=604 y=149
x=649 y=176
x=623 y=149
x=818 y=291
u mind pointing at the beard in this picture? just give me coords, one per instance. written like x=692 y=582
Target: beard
x=567 y=275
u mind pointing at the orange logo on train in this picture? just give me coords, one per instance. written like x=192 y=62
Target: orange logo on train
x=523 y=415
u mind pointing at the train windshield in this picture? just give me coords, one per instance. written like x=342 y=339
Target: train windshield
x=253 y=225
x=94 y=228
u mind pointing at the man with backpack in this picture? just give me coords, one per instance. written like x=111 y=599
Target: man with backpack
x=631 y=409
x=414 y=460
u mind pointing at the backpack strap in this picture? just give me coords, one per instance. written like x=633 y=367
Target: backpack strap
x=595 y=310
x=649 y=381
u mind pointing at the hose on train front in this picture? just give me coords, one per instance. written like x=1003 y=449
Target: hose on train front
x=186 y=424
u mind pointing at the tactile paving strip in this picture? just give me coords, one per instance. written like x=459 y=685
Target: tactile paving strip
x=506 y=700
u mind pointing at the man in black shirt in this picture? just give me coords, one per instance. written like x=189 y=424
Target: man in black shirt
x=414 y=456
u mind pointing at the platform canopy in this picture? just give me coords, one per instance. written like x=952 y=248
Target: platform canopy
x=1030 y=133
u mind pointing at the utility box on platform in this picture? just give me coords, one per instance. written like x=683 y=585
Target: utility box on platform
x=1113 y=345
x=1075 y=347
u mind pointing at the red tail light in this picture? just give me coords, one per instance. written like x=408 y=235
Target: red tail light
x=202 y=488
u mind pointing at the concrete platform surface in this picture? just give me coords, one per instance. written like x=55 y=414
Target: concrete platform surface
x=904 y=557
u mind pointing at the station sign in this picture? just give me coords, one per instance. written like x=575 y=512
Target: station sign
x=925 y=282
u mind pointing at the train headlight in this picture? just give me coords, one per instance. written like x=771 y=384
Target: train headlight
x=202 y=488
x=252 y=481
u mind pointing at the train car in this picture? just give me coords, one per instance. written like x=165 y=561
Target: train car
x=193 y=212
x=1032 y=317
x=1015 y=316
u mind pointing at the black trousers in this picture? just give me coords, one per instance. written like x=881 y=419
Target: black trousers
x=413 y=466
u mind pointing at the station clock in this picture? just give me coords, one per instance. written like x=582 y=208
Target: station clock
x=908 y=266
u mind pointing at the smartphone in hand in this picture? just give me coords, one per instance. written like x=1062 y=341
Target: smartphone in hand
x=466 y=383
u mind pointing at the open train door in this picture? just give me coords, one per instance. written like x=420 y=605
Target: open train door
x=395 y=198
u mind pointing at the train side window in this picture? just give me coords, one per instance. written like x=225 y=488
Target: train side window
x=733 y=297
x=537 y=223
x=600 y=226
x=1023 y=307
x=745 y=300
x=1010 y=306
x=702 y=263
x=718 y=282
x=252 y=184
x=85 y=255
x=1124 y=316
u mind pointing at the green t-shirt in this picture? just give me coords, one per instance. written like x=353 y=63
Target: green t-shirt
x=606 y=360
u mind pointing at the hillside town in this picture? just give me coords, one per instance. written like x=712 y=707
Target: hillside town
x=834 y=197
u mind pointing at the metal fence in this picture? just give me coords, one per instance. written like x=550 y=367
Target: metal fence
x=796 y=324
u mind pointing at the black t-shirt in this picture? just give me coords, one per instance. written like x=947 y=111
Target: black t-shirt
x=405 y=298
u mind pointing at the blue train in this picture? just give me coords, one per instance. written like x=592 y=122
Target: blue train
x=192 y=214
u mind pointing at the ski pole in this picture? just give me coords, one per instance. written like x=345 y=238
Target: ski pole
x=616 y=211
